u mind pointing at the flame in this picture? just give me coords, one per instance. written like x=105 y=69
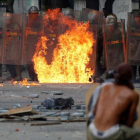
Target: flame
x=25 y=83
x=15 y=82
x=71 y=54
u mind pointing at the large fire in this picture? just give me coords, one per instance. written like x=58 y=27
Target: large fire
x=71 y=54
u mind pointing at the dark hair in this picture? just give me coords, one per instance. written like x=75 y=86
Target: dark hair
x=124 y=75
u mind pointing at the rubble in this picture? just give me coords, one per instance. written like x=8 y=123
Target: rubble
x=33 y=96
x=56 y=93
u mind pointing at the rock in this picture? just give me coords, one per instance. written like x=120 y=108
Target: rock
x=56 y=93
x=17 y=106
x=44 y=92
x=83 y=107
x=76 y=114
x=73 y=107
x=47 y=135
x=33 y=96
x=35 y=107
x=82 y=111
x=3 y=111
x=42 y=109
x=64 y=114
x=52 y=114
x=64 y=118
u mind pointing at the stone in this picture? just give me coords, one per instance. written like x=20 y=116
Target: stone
x=73 y=107
x=64 y=118
x=52 y=114
x=65 y=114
x=33 y=96
x=44 y=92
x=56 y=93
x=35 y=107
x=76 y=114
x=82 y=111
x=3 y=111
x=17 y=106
x=83 y=107
x=42 y=109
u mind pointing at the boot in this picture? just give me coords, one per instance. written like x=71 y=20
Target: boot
x=11 y=69
x=18 y=73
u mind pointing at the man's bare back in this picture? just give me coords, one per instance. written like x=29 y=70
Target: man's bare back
x=115 y=105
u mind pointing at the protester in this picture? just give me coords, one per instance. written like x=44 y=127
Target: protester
x=115 y=109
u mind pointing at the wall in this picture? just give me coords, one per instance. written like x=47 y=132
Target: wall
x=79 y=4
x=122 y=7
x=22 y=6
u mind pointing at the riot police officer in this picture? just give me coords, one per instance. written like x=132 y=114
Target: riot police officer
x=114 y=42
x=136 y=44
x=93 y=18
x=33 y=15
x=14 y=70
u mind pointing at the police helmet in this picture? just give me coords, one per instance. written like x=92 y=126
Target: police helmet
x=136 y=12
x=68 y=12
x=93 y=16
x=111 y=19
x=33 y=10
x=110 y=74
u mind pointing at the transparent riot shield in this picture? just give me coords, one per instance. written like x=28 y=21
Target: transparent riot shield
x=1 y=33
x=114 y=44
x=93 y=57
x=12 y=39
x=33 y=26
x=85 y=13
x=75 y=13
x=133 y=40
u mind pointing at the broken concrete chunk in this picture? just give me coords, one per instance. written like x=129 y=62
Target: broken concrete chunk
x=64 y=118
x=35 y=107
x=45 y=92
x=52 y=114
x=33 y=96
x=17 y=106
x=77 y=114
x=82 y=111
x=64 y=114
x=3 y=111
x=73 y=107
x=56 y=93
x=78 y=106
x=83 y=107
x=42 y=109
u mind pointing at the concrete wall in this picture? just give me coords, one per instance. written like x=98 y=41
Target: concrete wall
x=122 y=7
x=22 y=6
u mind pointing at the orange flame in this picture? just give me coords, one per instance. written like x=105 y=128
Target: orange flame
x=71 y=55
x=25 y=83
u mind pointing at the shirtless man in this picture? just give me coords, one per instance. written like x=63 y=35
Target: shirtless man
x=115 y=109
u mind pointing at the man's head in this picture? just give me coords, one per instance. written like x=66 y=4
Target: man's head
x=33 y=12
x=111 y=21
x=124 y=74
x=93 y=17
x=136 y=14
x=9 y=18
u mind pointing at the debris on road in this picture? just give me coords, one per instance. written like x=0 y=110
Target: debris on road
x=56 y=93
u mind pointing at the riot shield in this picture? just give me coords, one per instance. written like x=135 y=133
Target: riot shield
x=93 y=57
x=1 y=33
x=33 y=26
x=12 y=39
x=75 y=13
x=133 y=40
x=85 y=13
x=114 y=44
